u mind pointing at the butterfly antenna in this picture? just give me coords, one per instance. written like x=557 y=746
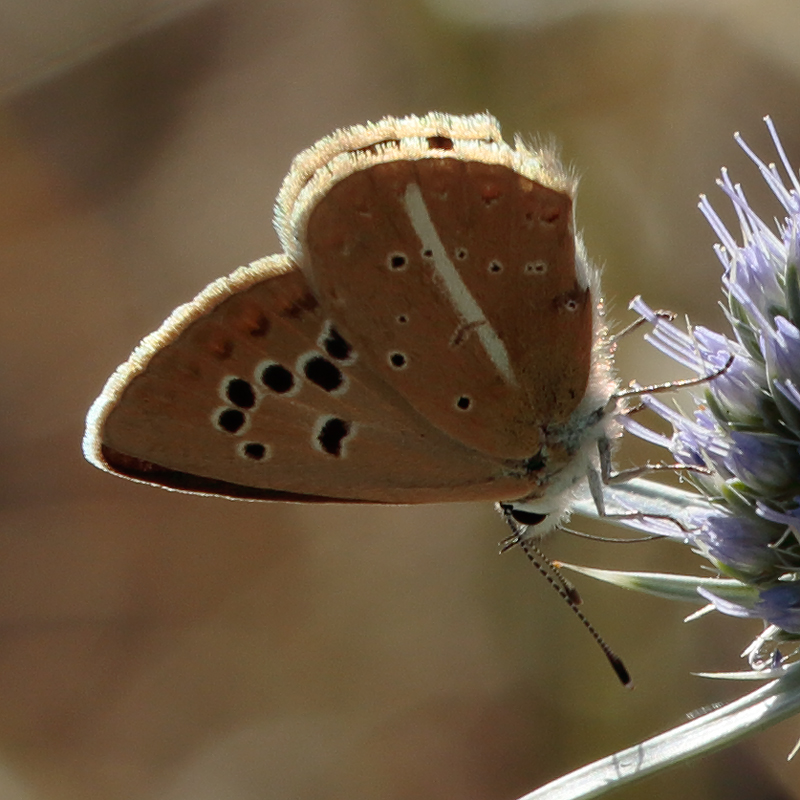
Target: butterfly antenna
x=553 y=575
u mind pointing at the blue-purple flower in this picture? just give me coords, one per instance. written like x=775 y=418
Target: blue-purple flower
x=740 y=448
x=741 y=444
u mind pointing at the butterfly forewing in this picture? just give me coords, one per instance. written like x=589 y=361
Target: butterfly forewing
x=259 y=395
x=453 y=277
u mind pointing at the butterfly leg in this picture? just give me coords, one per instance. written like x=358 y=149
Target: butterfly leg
x=639 y=321
x=608 y=477
x=598 y=481
x=671 y=386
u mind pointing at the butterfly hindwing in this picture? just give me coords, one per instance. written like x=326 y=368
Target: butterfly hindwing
x=454 y=277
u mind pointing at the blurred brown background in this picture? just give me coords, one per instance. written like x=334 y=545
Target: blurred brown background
x=165 y=647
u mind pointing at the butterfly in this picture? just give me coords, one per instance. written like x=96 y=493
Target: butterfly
x=432 y=332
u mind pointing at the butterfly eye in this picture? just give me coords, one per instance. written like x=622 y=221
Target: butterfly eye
x=527 y=517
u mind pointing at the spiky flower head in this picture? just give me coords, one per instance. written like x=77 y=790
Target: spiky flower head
x=740 y=448
x=742 y=439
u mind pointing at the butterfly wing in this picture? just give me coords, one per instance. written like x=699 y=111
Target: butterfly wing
x=250 y=391
x=455 y=275
x=427 y=337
